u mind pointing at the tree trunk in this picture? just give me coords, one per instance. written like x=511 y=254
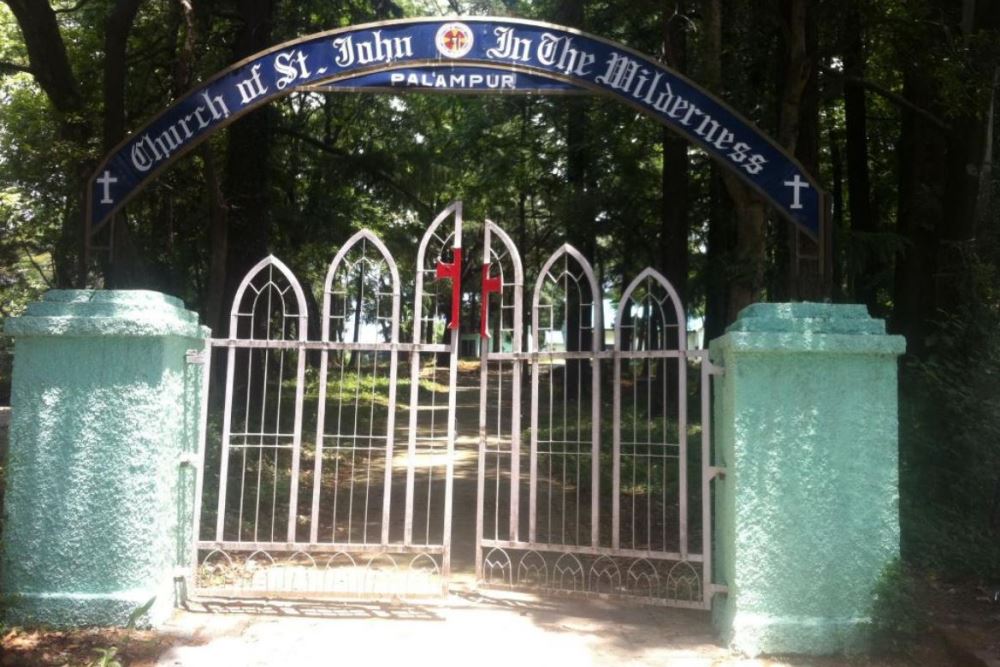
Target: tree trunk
x=804 y=274
x=863 y=225
x=721 y=229
x=837 y=193
x=218 y=235
x=47 y=54
x=578 y=211
x=125 y=269
x=52 y=71
x=117 y=27
x=214 y=313
x=939 y=195
x=676 y=166
x=922 y=152
x=746 y=284
x=248 y=158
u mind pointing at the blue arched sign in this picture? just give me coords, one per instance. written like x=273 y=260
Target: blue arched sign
x=480 y=55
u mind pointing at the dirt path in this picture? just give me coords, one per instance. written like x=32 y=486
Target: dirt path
x=492 y=629
x=463 y=524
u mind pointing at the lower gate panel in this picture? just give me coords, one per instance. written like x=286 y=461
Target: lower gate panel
x=337 y=574
x=649 y=580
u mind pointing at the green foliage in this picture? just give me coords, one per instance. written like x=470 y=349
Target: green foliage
x=107 y=657
x=138 y=613
x=336 y=163
x=898 y=621
x=950 y=427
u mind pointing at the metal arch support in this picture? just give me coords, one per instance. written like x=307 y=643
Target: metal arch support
x=650 y=273
x=588 y=270
x=270 y=262
x=362 y=238
x=663 y=94
x=453 y=209
x=358 y=237
x=492 y=285
x=569 y=251
x=300 y=297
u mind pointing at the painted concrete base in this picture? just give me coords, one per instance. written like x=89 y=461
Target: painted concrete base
x=104 y=405
x=4 y=428
x=118 y=609
x=756 y=634
x=807 y=515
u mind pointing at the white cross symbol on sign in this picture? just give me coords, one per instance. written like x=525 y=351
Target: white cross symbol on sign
x=106 y=180
x=797 y=183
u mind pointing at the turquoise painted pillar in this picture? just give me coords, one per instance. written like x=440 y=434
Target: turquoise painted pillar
x=807 y=514
x=98 y=504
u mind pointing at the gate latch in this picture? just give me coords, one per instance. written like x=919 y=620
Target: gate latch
x=195 y=357
x=453 y=271
x=188 y=459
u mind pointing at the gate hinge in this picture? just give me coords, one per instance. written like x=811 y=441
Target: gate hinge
x=716 y=471
x=195 y=357
x=188 y=459
x=718 y=589
x=714 y=369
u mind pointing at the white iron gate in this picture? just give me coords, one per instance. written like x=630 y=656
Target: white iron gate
x=574 y=501
x=327 y=483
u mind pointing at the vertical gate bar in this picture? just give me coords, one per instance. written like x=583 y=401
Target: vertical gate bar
x=481 y=458
x=324 y=369
x=650 y=364
x=320 y=428
x=515 y=420
x=484 y=360
x=390 y=427
x=515 y=445
x=390 y=431
x=199 y=479
x=411 y=440
x=533 y=469
x=595 y=428
x=227 y=417
x=534 y=348
x=246 y=437
x=617 y=441
x=450 y=465
x=682 y=474
x=706 y=479
x=300 y=381
x=596 y=341
x=499 y=459
x=666 y=439
x=450 y=461
x=411 y=436
x=263 y=408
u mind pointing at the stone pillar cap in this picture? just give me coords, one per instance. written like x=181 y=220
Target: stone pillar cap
x=106 y=313
x=809 y=327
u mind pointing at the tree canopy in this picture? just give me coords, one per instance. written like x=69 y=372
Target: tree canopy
x=890 y=104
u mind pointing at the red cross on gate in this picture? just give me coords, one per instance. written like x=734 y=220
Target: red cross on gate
x=453 y=271
x=490 y=285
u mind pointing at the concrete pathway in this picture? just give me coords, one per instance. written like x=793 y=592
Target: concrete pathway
x=466 y=629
